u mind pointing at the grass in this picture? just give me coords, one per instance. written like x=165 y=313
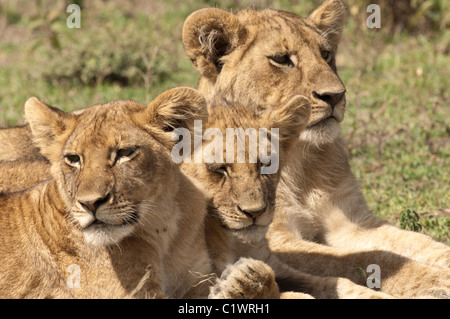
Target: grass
x=397 y=128
x=397 y=121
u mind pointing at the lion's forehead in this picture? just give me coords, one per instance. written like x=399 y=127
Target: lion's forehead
x=290 y=29
x=105 y=133
x=275 y=21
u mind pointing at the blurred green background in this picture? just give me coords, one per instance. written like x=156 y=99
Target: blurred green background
x=397 y=78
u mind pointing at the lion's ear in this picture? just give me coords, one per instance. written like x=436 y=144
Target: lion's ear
x=329 y=18
x=291 y=118
x=48 y=125
x=176 y=108
x=210 y=34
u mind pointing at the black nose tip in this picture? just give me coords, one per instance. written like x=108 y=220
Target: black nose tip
x=93 y=204
x=253 y=213
x=331 y=98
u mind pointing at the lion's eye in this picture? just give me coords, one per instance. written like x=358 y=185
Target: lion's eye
x=283 y=59
x=326 y=55
x=220 y=169
x=126 y=152
x=72 y=160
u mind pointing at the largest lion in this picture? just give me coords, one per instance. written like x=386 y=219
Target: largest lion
x=322 y=224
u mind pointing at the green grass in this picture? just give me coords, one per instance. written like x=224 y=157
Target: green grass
x=397 y=126
x=397 y=121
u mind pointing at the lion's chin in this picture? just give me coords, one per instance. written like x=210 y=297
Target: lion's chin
x=105 y=235
x=251 y=234
x=324 y=132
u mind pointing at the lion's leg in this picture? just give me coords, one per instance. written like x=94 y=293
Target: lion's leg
x=397 y=275
x=246 y=279
x=350 y=225
x=320 y=286
x=412 y=245
x=295 y=295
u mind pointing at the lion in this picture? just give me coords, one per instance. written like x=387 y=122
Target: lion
x=242 y=197
x=249 y=278
x=322 y=225
x=22 y=174
x=109 y=223
x=17 y=144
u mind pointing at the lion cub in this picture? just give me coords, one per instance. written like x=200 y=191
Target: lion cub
x=242 y=202
x=108 y=224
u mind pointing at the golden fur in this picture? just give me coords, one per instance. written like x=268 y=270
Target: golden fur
x=322 y=225
x=241 y=208
x=241 y=199
x=16 y=144
x=115 y=206
x=18 y=175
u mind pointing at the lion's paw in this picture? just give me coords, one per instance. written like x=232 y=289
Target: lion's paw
x=246 y=279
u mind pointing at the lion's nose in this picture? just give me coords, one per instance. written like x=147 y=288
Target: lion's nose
x=331 y=98
x=92 y=204
x=252 y=212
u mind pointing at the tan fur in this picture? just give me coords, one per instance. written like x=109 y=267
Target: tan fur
x=134 y=242
x=16 y=143
x=21 y=174
x=322 y=225
x=236 y=238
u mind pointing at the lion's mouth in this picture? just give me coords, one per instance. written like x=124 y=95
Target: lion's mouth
x=131 y=219
x=108 y=230
x=322 y=121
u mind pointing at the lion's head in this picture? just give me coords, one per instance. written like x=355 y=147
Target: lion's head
x=242 y=186
x=111 y=160
x=263 y=57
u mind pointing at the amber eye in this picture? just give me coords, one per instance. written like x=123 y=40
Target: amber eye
x=326 y=55
x=126 y=152
x=283 y=59
x=72 y=160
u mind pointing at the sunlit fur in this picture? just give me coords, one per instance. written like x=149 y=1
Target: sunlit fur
x=236 y=240
x=321 y=224
x=135 y=243
x=242 y=186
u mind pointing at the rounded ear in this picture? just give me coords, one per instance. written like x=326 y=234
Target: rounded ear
x=208 y=35
x=291 y=118
x=329 y=18
x=49 y=125
x=176 y=108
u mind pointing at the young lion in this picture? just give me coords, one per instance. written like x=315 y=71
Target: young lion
x=322 y=224
x=242 y=202
x=104 y=224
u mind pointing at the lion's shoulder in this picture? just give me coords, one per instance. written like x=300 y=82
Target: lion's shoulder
x=22 y=174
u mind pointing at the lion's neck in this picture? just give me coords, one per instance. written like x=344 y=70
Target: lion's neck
x=225 y=248
x=318 y=181
x=316 y=168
